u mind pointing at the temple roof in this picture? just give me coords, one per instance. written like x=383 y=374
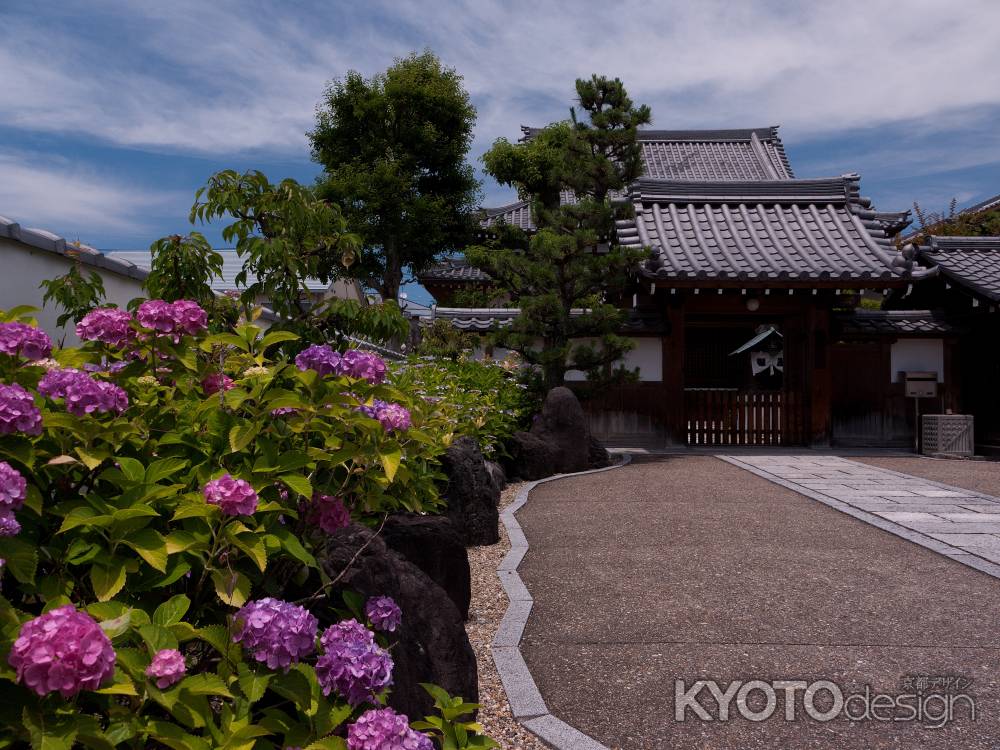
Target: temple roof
x=454 y=269
x=972 y=262
x=764 y=230
x=492 y=318
x=898 y=323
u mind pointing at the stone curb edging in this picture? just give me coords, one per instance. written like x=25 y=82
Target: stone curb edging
x=942 y=548
x=525 y=701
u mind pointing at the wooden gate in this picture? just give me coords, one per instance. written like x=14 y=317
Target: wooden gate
x=729 y=416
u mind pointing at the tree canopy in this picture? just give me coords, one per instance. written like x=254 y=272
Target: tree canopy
x=393 y=148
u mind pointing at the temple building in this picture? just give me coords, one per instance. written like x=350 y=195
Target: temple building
x=770 y=310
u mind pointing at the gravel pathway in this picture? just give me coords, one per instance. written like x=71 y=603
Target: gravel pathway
x=690 y=568
x=489 y=602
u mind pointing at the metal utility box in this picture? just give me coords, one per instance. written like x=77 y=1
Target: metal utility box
x=920 y=384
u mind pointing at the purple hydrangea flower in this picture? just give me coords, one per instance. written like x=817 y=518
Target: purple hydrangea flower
x=276 y=633
x=283 y=411
x=24 y=340
x=330 y=513
x=319 y=357
x=234 y=496
x=18 y=412
x=216 y=382
x=12 y=487
x=167 y=668
x=384 y=729
x=392 y=417
x=363 y=365
x=9 y=525
x=62 y=650
x=353 y=665
x=108 y=325
x=384 y=613
x=172 y=318
x=189 y=317
x=82 y=393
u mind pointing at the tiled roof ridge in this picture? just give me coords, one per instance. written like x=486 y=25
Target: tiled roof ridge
x=491 y=212
x=952 y=243
x=836 y=189
x=691 y=134
x=49 y=242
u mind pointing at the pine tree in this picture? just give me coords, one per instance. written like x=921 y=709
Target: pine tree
x=567 y=277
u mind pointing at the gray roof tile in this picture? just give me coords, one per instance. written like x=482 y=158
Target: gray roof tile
x=893 y=323
x=762 y=230
x=973 y=262
x=453 y=269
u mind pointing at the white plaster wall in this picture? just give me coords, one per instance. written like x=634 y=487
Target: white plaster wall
x=647 y=355
x=24 y=269
x=921 y=355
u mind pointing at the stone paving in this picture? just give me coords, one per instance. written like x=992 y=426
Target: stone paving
x=956 y=522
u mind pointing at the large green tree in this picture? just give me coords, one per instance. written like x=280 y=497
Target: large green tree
x=393 y=148
x=567 y=277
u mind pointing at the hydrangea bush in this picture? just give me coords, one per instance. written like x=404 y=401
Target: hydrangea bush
x=160 y=491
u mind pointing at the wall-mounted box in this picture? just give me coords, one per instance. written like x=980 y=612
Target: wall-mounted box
x=920 y=384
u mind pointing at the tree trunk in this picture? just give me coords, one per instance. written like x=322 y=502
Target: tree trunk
x=392 y=279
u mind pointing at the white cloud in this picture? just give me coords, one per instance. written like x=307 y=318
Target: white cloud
x=55 y=195
x=232 y=76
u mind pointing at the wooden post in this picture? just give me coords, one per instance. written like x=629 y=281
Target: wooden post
x=673 y=376
x=818 y=365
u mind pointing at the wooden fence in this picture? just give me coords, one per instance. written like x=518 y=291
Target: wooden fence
x=723 y=416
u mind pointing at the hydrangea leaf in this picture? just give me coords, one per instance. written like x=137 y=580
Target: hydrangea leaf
x=233 y=588
x=171 y=611
x=21 y=559
x=107 y=580
x=390 y=463
x=150 y=546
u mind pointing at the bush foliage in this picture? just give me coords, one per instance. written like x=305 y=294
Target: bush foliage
x=168 y=510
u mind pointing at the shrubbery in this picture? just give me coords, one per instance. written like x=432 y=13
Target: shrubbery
x=159 y=490
x=483 y=399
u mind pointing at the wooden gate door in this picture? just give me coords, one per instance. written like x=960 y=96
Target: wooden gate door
x=730 y=416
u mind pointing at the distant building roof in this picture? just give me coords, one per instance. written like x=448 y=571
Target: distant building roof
x=893 y=323
x=232 y=264
x=53 y=243
x=972 y=262
x=807 y=230
x=490 y=318
x=454 y=269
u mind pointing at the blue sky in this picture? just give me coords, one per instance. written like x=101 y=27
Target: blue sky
x=115 y=112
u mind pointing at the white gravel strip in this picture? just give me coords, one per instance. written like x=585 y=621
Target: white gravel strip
x=489 y=603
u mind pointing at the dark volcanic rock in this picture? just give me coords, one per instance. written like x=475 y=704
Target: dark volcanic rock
x=430 y=645
x=497 y=475
x=433 y=544
x=559 y=442
x=471 y=493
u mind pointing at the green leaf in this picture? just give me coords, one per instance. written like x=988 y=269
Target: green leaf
x=295 y=686
x=253 y=545
x=171 y=611
x=156 y=638
x=241 y=435
x=390 y=462
x=253 y=684
x=164 y=468
x=49 y=732
x=83 y=515
x=205 y=683
x=328 y=743
x=131 y=468
x=150 y=546
x=107 y=580
x=21 y=559
x=173 y=736
x=291 y=544
x=298 y=483
x=217 y=637
x=276 y=337
x=116 y=626
x=232 y=587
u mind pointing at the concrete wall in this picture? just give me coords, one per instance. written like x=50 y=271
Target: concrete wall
x=24 y=269
x=647 y=356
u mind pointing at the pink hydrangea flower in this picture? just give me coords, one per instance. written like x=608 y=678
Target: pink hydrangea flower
x=18 y=412
x=329 y=512
x=216 y=382
x=352 y=664
x=234 y=496
x=384 y=729
x=62 y=650
x=109 y=325
x=189 y=317
x=167 y=668
x=83 y=394
x=157 y=315
x=172 y=318
x=319 y=357
x=392 y=417
x=363 y=365
x=276 y=633
x=20 y=339
x=13 y=487
x=383 y=613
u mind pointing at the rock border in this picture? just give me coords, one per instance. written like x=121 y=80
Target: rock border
x=942 y=548
x=526 y=703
